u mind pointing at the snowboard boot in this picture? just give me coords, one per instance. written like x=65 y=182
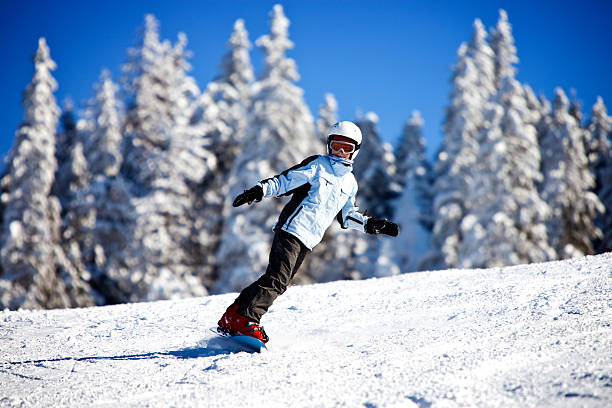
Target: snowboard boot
x=236 y=324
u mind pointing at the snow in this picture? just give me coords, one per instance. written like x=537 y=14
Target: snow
x=531 y=335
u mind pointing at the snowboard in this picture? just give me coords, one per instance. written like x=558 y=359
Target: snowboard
x=247 y=343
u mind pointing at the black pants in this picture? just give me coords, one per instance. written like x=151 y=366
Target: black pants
x=286 y=256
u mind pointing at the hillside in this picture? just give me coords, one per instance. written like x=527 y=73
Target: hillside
x=533 y=335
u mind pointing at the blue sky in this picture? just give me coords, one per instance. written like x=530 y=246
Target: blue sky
x=389 y=57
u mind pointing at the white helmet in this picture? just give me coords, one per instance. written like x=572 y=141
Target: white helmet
x=346 y=129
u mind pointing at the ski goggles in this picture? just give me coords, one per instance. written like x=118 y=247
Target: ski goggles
x=339 y=145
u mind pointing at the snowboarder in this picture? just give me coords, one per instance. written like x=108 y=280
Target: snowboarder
x=323 y=187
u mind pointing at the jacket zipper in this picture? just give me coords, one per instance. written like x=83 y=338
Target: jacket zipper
x=354 y=219
x=294 y=215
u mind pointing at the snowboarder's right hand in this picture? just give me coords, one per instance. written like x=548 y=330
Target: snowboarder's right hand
x=248 y=196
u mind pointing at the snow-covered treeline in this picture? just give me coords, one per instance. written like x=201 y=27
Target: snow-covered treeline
x=129 y=198
x=518 y=179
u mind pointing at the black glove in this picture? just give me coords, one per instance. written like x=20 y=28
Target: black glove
x=248 y=196
x=374 y=226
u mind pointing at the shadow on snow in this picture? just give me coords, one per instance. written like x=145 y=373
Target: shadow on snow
x=205 y=348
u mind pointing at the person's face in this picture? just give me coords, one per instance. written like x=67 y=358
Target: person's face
x=342 y=146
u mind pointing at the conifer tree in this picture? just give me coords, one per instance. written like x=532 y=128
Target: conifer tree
x=67 y=136
x=413 y=208
x=99 y=213
x=225 y=102
x=103 y=141
x=536 y=110
x=504 y=218
x=375 y=171
x=110 y=204
x=473 y=83
x=568 y=183
x=236 y=68
x=575 y=109
x=410 y=152
x=504 y=50
x=505 y=221
x=456 y=157
x=67 y=139
x=483 y=57
x=222 y=116
x=35 y=272
x=280 y=134
x=72 y=177
x=328 y=115
x=74 y=223
x=164 y=156
x=600 y=157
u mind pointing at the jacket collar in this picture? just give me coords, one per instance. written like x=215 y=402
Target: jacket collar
x=339 y=165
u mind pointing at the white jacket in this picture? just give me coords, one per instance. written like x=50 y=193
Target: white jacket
x=322 y=189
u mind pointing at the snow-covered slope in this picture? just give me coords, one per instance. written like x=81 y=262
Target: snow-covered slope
x=535 y=335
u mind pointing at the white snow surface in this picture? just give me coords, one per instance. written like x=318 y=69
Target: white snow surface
x=535 y=335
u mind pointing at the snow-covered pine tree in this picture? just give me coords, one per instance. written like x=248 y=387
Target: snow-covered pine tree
x=600 y=157
x=483 y=57
x=99 y=213
x=77 y=221
x=225 y=102
x=192 y=157
x=68 y=135
x=413 y=208
x=455 y=159
x=109 y=201
x=222 y=116
x=504 y=218
x=103 y=141
x=328 y=115
x=71 y=178
x=575 y=108
x=280 y=134
x=70 y=175
x=447 y=200
x=505 y=221
x=147 y=118
x=410 y=151
x=35 y=272
x=504 y=50
x=568 y=183
x=473 y=83
x=535 y=108
x=375 y=171
x=236 y=68
x=164 y=158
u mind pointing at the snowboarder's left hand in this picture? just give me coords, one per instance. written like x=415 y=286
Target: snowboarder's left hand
x=248 y=196
x=381 y=226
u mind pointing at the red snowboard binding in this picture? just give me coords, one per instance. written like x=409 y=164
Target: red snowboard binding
x=235 y=324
